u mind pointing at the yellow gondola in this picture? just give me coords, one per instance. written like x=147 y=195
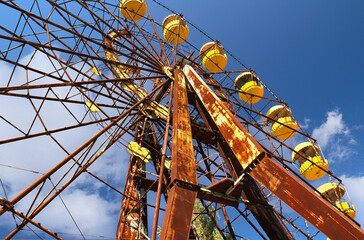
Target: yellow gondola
x=145 y=154
x=168 y=164
x=276 y=112
x=284 y=127
x=213 y=57
x=140 y=152
x=133 y=148
x=345 y=208
x=332 y=191
x=251 y=88
x=92 y=107
x=175 y=29
x=248 y=84
x=303 y=151
x=133 y=9
x=314 y=168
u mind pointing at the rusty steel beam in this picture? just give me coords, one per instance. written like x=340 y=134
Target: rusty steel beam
x=79 y=84
x=157 y=35
x=55 y=130
x=47 y=201
x=183 y=191
x=109 y=48
x=156 y=55
x=203 y=134
x=298 y=196
x=203 y=193
x=63 y=100
x=251 y=224
x=222 y=206
x=63 y=84
x=162 y=173
x=247 y=149
x=130 y=214
x=62 y=50
x=250 y=191
x=133 y=214
x=304 y=201
x=265 y=216
x=262 y=211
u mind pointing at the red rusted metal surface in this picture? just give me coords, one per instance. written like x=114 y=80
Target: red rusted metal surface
x=182 y=195
x=269 y=173
x=247 y=149
x=130 y=223
x=265 y=216
x=203 y=135
x=305 y=201
x=163 y=175
x=221 y=187
x=183 y=160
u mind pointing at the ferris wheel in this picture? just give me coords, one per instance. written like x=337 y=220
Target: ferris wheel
x=130 y=101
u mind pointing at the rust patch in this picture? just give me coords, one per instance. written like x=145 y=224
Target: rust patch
x=181 y=200
x=130 y=215
x=183 y=160
x=178 y=215
x=244 y=146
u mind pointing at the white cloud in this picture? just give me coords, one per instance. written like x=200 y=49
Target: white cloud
x=334 y=137
x=90 y=204
x=40 y=153
x=306 y=123
x=333 y=126
x=93 y=214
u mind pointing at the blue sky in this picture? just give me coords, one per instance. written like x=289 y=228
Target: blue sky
x=310 y=54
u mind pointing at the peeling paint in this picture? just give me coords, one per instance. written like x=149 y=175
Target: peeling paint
x=239 y=140
x=176 y=224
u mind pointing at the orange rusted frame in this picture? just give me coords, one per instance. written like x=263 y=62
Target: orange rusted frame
x=130 y=223
x=247 y=149
x=182 y=195
x=265 y=216
x=269 y=173
x=303 y=200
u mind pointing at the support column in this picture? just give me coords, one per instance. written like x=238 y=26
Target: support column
x=183 y=190
x=130 y=214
